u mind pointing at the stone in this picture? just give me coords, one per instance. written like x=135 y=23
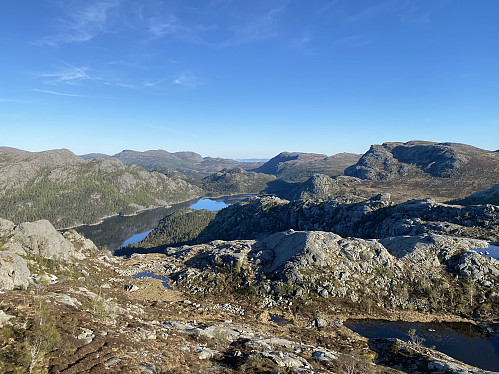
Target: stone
x=40 y=238
x=86 y=334
x=324 y=355
x=4 y=318
x=319 y=322
x=205 y=353
x=14 y=272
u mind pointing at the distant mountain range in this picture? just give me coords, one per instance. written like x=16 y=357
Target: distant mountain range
x=70 y=190
x=67 y=190
x=188 y=163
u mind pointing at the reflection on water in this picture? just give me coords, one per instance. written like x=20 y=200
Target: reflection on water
x=278 y=320
x=462 y=341
x=493 y=251
x=118 y=231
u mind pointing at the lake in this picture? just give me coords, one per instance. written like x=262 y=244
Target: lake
x=462 y=341
x=118 y=231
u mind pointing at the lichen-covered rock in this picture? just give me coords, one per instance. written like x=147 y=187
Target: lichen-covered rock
x=79 y=241
x=40 y=238
x=14 y=272
x=5 y=226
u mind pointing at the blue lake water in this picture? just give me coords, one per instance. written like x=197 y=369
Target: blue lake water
x=462 y=341
x=209 y=204
x=136 y=238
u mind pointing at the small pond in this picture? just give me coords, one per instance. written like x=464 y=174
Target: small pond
x=493 y=251
x=150 y=274
x=278 y=320
x=462 y=341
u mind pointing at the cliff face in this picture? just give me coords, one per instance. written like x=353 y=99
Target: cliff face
x=444 y=160
x=67 y=190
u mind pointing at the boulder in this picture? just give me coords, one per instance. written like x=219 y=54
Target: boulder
x=14 y=272
x=40 y=238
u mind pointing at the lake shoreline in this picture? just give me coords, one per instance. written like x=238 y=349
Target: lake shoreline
x=101 y=220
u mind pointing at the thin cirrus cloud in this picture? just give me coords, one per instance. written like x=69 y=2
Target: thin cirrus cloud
x=84 y=24
x=255 y=29
x=57 y=93
x=71 y=75
x=187 y=80
x=81 y=25
x=406 y=11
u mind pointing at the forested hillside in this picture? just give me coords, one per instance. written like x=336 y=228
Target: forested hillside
x=60 y=187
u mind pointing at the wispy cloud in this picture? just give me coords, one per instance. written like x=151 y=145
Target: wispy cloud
x=257 y=28
x=57 y=93
x=153 y=84
x=407 y=11
x=187 y=80
x=82 y=24
x=169 y=25
x=71 y=75
x=330 y=4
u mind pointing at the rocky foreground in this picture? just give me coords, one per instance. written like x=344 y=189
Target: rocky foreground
x=274 y=301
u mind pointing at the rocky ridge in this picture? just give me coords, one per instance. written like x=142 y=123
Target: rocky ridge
x=401 y=160
x=377 y=217
x=298 y=167
x=220 y=311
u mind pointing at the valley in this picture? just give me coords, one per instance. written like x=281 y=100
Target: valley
x=376 y=263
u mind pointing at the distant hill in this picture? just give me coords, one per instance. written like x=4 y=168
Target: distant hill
x=11 y=150
x=189 y=163
x=317 y=187
x=421 y=169
x=91 y=156
x=445 y=160
x=67 y=190
x=236 y=181
x=298 y=167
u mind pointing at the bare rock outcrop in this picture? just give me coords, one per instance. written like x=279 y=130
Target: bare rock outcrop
x=395 y=160
x=14 y=272
x=40 y=238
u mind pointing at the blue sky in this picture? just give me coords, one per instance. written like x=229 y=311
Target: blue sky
x=240 y=79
